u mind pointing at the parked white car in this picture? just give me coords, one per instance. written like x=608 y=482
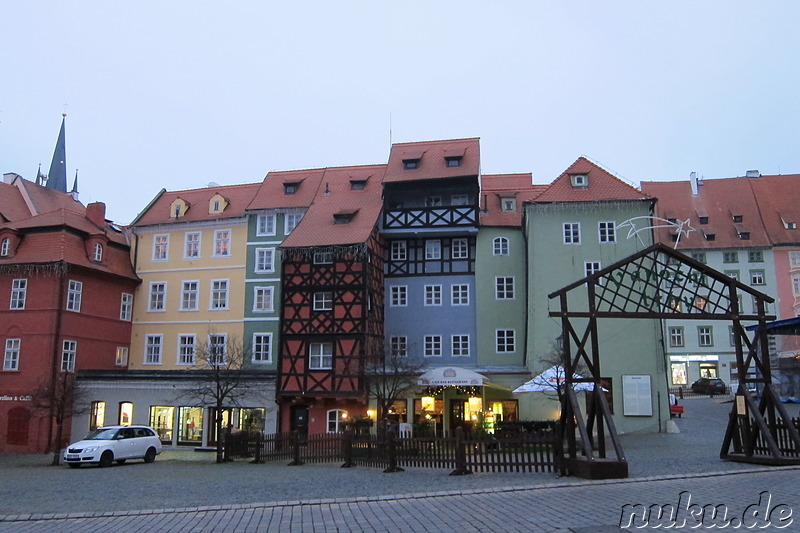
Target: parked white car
x=107 y=444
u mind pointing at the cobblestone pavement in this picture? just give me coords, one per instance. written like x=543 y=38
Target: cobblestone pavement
x=185 y=491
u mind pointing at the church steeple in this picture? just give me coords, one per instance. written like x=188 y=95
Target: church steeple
x=57 y=177
x=74 y=191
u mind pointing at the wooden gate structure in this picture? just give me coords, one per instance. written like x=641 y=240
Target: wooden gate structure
x=661 y=283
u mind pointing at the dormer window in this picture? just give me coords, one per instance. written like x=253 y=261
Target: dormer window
x=453 y=161
x=98 y=252
x=703 y=220
x=788 y=221
x=508 y=205
x=217 y=204
x=711 y=236
x=410 y=164
x=290 y=187
x=358 y=185
x=579 y=180
x=178 y=208
x=5 y=247
x=737 y=218
x=344 y=217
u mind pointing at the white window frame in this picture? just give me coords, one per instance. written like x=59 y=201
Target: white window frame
x=505 y=341
x=265 y=224
x=677 y=338
x=161 y=247
x=433 y=295
x=508 y=205
x=399 y=251
x=335 y=420
x=261 y=348
x=398 y=345
x=571 y=233
x=459 y=294
x=794 y=260
x=758 y=277
x=705 y=336
x=459 y=248
x=398 y=296
x=19 y=293
x=74 y=295
x=126 y=306
x=5 y=247
x=191 y=244
x=323 y=301
x=504 y=288
x=433 y=249
x=265 y=260
x=320 y=356
x=153 y=348
x=263 y=299
x=121 y=356
x=69 y=352
x=607 y=232
x=291 y=220
x=755 y=256
x=217 y=348
x=796 y=284
x=186 y=354
x=590 y=267
x=11 y=357
x=222 y=242
x=459 y=345
x=500 y=246
x=98 y=252
x=432 y=346
x=218 y=300
x=190 y=295
x=323 y=258
x=157 y=299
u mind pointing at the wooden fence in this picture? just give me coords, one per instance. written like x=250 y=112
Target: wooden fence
x=782 y=439
x=534 y=451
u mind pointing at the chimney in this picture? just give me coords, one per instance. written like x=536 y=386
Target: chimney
x=753 y=174
x=695 y=183
x=96 y=212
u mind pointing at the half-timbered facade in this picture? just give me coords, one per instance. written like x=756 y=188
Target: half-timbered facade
x=332 y=302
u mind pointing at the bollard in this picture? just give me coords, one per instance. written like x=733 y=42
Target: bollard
x=461 y=455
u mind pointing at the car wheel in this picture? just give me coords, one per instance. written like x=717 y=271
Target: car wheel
x=106 y=459
x=150 y=455
x=74 y=465
x=120 y=461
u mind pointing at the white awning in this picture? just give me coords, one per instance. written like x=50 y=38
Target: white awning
x=550 y=380
x=451 y=376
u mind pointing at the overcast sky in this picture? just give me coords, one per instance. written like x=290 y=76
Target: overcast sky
x=178 y=94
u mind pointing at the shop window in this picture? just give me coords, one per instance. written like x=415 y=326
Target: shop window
x=679 y=374
x=162 y=419
x=97 y=418
x=125 y=413
x=252 y=420
x=190 y=430
x=708 y=370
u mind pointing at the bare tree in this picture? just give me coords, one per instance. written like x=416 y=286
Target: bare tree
x=221 y=380
x=59 y=401
x=553 y=374
x=388 y=375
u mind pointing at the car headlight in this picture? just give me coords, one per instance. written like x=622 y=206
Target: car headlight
x=90 y=449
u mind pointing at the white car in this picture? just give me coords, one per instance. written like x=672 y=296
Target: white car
x=107 y=444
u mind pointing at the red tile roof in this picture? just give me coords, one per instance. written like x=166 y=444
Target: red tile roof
x=335 y=196
x=159 y=212
x=603 y=186
x=432 y=164
x=778 y=199
x=12 y=204
x=498 y=186
x=271 y=195
x=719 y=200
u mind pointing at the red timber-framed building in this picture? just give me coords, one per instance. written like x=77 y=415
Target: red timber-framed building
x=66 y=293
x=332 y=302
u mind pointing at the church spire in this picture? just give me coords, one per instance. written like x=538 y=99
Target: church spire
x=74 y=191
x=39 y=176
x=57 y=177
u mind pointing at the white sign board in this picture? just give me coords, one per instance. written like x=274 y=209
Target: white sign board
x=637 y=398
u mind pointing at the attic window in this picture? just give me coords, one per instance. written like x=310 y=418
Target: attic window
x=216 y=204
x=98 y=252
x=711 y=236
x=344 y=217
x=703 y=220
x=579 y=180
x=788 y=221
x=737 y=218
x=179 y=207
x=508 y=205
x=5 y=248
x=410 y=164
x=358 y=185
x=453 y=161
x=290 y=187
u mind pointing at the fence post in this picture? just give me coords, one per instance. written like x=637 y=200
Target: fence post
x=558 y=451
x=461 y=455
x=392 y=449
x=257 y=451
x=347 y=449
x=296 y=449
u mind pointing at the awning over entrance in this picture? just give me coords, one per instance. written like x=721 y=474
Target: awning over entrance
x=451 y=376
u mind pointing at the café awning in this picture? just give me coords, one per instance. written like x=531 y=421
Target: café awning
x=451 y=376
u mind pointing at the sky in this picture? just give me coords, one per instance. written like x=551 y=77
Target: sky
x=179 y=94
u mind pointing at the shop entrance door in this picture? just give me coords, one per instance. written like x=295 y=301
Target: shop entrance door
x=299 y=420
x=458 y=416
x=212 y=422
